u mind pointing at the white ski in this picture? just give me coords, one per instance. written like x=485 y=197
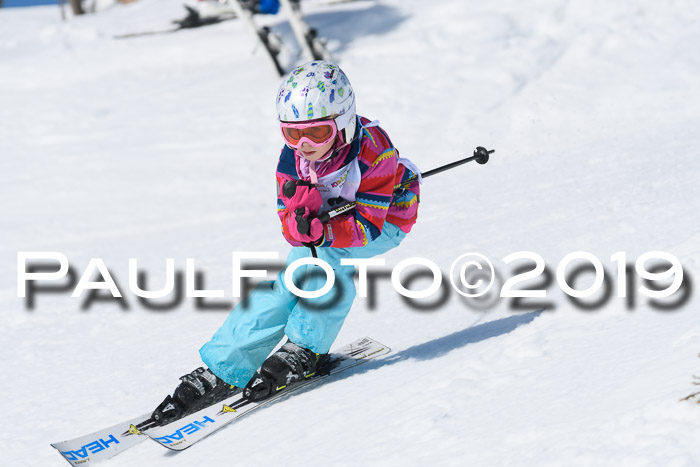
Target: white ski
x=269 y=41
x=314 y=48
x=185 y=432
x=182 y=433
x=102 y=444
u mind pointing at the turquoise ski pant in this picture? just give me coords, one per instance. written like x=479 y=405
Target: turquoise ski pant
x=258 y=323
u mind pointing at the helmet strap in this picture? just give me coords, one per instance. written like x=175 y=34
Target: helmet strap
x=348 y=132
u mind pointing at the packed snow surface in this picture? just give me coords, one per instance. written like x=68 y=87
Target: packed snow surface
x=165 y=146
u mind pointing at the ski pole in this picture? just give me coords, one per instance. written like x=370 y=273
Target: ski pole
x=481 y=156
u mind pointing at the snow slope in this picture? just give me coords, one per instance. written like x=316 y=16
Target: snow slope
x=165 y=146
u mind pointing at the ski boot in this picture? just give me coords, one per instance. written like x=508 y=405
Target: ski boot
x=288 y=365
x=197 y=390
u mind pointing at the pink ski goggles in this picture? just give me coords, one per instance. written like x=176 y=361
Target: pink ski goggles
x=315 y=133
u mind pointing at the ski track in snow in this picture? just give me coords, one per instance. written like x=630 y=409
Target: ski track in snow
x=165 y=146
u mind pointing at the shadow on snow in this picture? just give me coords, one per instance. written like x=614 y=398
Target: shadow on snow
x=346 y=26
x=442 y=345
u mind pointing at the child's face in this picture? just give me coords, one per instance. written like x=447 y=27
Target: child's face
x=311 y=153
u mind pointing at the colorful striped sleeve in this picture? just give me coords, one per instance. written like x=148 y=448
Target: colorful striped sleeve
x=403 y=211
x=373 y=196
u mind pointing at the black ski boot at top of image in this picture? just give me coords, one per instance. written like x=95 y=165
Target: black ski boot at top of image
x=290 y=364
x=197 y=390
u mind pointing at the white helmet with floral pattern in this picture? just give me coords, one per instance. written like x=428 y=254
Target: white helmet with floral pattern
x=317 y=90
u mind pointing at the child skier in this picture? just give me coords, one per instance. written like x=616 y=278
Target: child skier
x=332 y=157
